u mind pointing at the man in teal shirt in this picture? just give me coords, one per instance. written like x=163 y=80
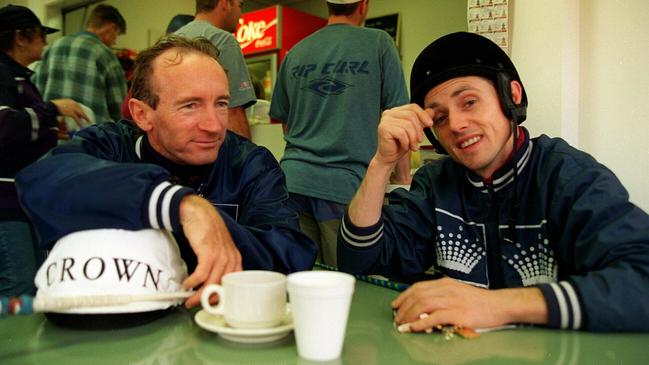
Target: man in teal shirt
x=330 y=92
x=216 y=20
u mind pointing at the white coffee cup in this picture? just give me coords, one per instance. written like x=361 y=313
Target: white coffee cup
x=249 y=299
x=320 y=302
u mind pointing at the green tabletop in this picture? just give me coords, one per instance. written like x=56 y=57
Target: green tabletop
x=370 y=339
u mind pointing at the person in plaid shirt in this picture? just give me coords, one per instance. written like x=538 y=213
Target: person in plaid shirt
x=82 y=66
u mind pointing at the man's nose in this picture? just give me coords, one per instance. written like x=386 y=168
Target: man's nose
x=214 y=121
x=457 y=121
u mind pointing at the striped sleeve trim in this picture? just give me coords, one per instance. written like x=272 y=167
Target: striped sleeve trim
x=165 y=199
x=564 y=310
x=35 y=123
x=360 y=236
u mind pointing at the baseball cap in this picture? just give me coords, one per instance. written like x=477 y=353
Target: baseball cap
x=109 y=263
x=343 y=1
x=14 y=17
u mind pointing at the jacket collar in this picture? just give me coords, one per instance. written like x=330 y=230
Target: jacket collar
x=15 y=67
x=188 y=175
x=504 y=175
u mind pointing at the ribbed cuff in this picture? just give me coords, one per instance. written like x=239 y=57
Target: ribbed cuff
x=564 y=309
x=164 y=206
x=360 y=236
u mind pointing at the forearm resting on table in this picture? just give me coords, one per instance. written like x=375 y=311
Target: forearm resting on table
x=523 y=305
x=365 y=208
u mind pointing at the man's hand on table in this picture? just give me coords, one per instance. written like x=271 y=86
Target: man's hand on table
x=429 y=304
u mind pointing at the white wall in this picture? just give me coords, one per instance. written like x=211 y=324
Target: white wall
x=147 y=20
x=584 y=67
x=615 y=90
x=536 y=52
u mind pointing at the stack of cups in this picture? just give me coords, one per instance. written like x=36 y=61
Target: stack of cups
x=320 y=302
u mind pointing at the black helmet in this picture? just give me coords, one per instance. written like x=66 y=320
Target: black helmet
x=465 y=54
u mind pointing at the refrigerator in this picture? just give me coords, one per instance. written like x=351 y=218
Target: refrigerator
x=266 y=36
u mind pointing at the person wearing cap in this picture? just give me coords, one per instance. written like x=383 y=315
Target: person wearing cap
x=28 y=129
x=176 y=169
x=83 y=67
x=216 y=20
x=330 y=91
x=523 y=230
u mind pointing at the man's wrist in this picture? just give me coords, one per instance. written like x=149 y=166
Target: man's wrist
x=524 y=305
x=380 y=168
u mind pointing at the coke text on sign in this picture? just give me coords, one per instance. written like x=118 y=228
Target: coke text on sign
x=257 y=31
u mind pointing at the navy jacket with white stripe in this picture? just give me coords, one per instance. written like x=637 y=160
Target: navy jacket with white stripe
x=28 y=129
x=577 y=236
x=108 y=176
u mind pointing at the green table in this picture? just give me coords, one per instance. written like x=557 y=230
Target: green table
x=371 y=339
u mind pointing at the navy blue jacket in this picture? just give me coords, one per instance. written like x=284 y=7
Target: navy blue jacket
x=577 y=236
x=28 y=129
x=108 y=176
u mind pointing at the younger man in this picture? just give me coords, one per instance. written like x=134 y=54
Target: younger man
x=526 y=230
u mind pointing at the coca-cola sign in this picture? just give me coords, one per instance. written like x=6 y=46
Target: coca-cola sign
x=257 y=31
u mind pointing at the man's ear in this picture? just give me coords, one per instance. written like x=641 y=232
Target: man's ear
x=20 y=40
x=517 y=91
x=363 y=7
x=141 y=113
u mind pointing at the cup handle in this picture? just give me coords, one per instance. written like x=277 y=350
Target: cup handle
x=205 y=299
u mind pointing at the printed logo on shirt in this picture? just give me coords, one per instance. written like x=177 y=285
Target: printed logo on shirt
x=461 y=250
x=326 y=86
x=339 y=67
x=324 y=82
x=245 y=85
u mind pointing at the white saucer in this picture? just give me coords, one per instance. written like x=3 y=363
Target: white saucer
x=216 y=323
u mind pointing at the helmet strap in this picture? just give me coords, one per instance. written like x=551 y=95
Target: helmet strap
x=515 y=112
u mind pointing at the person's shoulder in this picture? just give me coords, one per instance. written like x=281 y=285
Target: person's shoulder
x=241 y=151
x=81 y=37
x=556 y=159
x=202 y=28
x=123 y=129
x=5 y=70
x=371 y=33
x=84 y=43
x=558 y=148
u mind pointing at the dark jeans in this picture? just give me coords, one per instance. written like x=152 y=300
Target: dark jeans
x=20 y=258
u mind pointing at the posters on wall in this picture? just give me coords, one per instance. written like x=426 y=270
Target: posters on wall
x=490 y=18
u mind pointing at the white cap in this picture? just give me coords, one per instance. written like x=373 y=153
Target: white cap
x=343 y=1
x=113 y=262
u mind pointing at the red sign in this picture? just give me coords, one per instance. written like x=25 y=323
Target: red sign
x=257 y=31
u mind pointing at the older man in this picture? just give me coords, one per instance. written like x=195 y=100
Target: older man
x=526 y=230
x=223 y=197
